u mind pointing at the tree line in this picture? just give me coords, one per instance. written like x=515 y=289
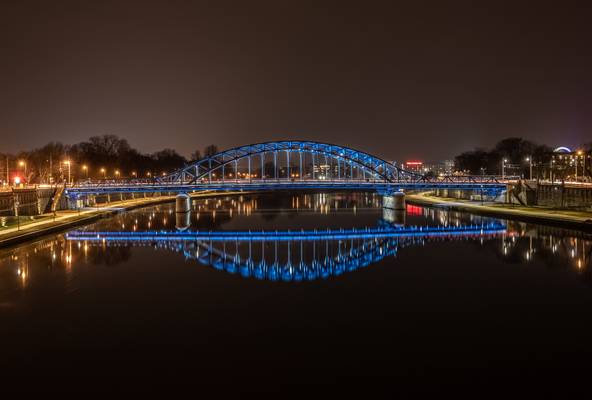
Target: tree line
x=96 y=158
x=515 y=153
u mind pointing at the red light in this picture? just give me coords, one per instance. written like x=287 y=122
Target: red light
x=414 y=163
x=414 y=210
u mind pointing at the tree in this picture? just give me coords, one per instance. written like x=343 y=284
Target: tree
x=196 y=155
x=472 y=161
x=515 y=150
x=210 y=150
x=106 y=151
x=168 y=159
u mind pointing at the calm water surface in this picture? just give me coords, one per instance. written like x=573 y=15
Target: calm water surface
x=326 y=288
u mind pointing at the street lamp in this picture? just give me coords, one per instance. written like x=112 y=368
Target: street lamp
x=579 y=155
x=23 y=163
x=116 y=173
x=134 y=174
x=529 y=160
x=504 y=161
x=104 y=172
x=85 y=169
x=67 y=162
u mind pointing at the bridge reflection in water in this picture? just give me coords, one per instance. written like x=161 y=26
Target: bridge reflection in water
x=290 y=255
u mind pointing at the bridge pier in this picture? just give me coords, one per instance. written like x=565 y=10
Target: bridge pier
x=182 y=211
x=395 y=201
x=182 y=203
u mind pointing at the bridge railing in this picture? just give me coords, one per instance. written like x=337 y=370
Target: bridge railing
x=469 y=178
x=458 y=179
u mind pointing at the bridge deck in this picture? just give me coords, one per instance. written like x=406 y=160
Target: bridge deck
x=259 y=185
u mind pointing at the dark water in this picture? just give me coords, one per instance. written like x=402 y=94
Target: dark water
x=479 y=302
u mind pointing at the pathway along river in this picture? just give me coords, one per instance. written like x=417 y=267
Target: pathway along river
x=429 y=298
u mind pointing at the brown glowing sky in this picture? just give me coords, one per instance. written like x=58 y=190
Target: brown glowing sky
x=410 y=80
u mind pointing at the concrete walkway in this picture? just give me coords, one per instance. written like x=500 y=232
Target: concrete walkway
x=46 y=223
x=569 y=218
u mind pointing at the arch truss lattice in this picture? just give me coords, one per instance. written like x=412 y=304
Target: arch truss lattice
x=291 y=160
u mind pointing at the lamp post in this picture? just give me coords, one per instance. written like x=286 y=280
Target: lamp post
x=529 y=160
x=578 y=156
x=67 y=162
x=23 y=164
x=85 y=169
x=116 y=174
x=504 y=161
x=104 y=172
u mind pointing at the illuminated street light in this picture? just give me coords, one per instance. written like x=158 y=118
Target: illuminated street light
x=67 y=162
x=85 y=169
x=134 y=174
x=529 y=160
x=504 y=161
x=104 y=172
x=578 y=156
x=23 y=163
x=583 y=156
x=116 y=173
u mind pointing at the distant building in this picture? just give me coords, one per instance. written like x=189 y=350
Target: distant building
x=414 y=166
x=445 y=167
x=571 y=165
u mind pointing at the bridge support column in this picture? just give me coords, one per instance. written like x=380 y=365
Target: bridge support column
x=182 y=211
x=395 y=201
x=182 y=203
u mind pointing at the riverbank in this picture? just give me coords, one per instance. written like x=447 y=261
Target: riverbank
x=62 y=220
x=581 y=220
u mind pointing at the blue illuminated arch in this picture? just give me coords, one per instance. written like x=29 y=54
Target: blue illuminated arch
x=371 y=166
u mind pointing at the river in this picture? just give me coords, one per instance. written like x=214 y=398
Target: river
x=266 y=290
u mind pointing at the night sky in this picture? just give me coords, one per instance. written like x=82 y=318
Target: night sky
x=401 y=80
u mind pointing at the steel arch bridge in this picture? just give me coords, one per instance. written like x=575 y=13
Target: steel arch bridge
x=293 y=165
x=301 y=160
